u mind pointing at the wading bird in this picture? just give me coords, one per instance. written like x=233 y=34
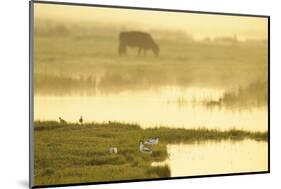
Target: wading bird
x=113 y=150
x=62 y=120
x=152 y=141
x=144 y=149
x=215 y=102
x=81 y=120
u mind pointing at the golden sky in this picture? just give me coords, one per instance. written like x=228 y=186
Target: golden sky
x=199 y=25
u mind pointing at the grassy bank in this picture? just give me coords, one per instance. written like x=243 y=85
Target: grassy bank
x=71 y=153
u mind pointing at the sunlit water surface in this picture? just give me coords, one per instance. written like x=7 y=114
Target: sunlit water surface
x=169 y=106
x=216 y=158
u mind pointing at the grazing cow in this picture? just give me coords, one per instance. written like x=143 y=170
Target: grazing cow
x=143 y=41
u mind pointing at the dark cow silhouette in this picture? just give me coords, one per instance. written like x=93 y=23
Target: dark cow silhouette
x=143 y=41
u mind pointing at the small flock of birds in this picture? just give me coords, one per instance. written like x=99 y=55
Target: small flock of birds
x=142 y=147
x=114 y=150
x=62 y=121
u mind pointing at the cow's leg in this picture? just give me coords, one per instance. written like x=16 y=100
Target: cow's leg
x=139 y=51
x=122 y=50
x=125 y=50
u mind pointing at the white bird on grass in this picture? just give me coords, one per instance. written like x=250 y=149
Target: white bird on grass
x=144 y=149
x=113 y=150
x=152 y=141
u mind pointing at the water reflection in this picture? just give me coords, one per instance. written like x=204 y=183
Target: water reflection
x=216 y=158
x=170 y=106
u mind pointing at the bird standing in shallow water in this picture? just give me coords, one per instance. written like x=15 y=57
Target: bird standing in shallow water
x=81 y=120
x=215 y=102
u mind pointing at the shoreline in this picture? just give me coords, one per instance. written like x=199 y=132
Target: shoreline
x=69 y=153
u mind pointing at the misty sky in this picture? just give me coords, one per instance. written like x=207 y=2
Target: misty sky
x=199 y=25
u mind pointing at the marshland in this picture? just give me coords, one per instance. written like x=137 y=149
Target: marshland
x=72 y=153
x=206 y=98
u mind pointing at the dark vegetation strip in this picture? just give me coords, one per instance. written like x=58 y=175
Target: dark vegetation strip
x=169 y=135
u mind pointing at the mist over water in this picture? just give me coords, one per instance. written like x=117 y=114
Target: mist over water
x=192 y=84
x=172 y=107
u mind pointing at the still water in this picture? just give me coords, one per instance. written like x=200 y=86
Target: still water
x=216 y=158
x=169 y=106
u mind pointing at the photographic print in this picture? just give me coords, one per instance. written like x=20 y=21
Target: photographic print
x=127 y=94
